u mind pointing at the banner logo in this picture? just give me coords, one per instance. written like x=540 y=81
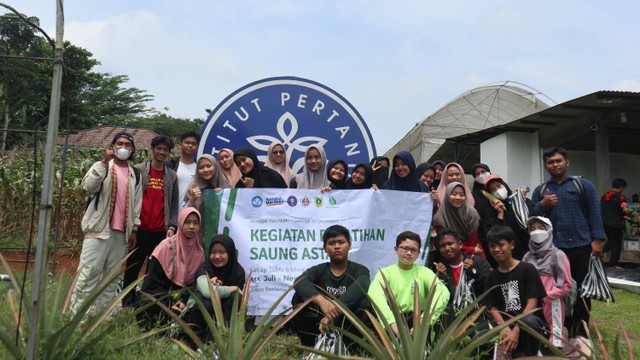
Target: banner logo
x=294 y=111
x=256 y=201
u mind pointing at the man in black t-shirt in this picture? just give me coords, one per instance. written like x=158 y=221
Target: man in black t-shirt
x=519 y=290
x=345 y=280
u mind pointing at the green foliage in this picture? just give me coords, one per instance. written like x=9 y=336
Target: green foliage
x=17 y=187
x=230 y=340
x=457 y=341
x=89 y=98
x=166 y=125
x=63 y=335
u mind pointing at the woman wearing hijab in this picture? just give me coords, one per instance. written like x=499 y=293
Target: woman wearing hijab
x=553 y=266
x=427 y=174
x=208 y=176
x=277 y=160
x=222 y=270
x=314 y=173
x=228 y=167
x=337 y=175
x=380 y=166
x=361 y=178
x=404 y=176
x=171 y=268
x=457 y=215
x=503 y=213
x=483 y=207
x=439 y=166
x=254 y=173
x=453 y=172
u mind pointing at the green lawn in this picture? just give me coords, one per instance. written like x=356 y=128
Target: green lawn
x=608 y=317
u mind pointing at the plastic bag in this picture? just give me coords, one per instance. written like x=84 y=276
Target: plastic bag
x=330 y=342
x=464 y=294
x=596 y=285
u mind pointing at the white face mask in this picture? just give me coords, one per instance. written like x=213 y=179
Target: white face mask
x=122 y=153
x=538 y=236
x=501 y=193
x=480 y=178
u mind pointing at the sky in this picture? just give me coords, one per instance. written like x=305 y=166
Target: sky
x=396 y=62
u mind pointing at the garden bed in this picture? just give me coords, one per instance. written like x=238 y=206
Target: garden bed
x=65 y=262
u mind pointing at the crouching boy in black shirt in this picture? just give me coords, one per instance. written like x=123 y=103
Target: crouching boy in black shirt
x=345 y=280
x=519 y=290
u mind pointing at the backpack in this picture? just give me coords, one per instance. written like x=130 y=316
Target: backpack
x=96 y=196
x=577 y=182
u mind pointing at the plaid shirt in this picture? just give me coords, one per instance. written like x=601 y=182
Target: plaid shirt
x=575 y=223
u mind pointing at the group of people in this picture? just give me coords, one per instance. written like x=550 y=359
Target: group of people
x=153 y=210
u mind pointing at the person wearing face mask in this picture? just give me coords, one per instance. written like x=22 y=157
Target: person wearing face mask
x=504 y=212
x=488 y=216
x=555 y=273
x=111 y=220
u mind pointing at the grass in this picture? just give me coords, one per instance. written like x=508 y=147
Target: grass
x=607 y=317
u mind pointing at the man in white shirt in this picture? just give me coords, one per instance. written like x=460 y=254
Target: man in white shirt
x=185 y=164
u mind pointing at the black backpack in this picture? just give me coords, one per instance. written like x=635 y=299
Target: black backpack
x=97 y=194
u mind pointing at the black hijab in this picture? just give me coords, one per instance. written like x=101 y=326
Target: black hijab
x=381 y=175
x=409 y=183
x=368 y=177
x=334 y=183
x=436 y=182
x=263 y=176
x=231 y=274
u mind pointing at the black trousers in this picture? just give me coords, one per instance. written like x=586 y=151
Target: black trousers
x=147 y=242
x=528 y=345
x=579 y=262
x=615 y=236
x=305 y=323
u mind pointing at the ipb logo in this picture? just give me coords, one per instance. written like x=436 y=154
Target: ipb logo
x=294 y=111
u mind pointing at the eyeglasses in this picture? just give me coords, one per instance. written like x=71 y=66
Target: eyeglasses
x=278 y=152
x=190 y=143
x=407 y=250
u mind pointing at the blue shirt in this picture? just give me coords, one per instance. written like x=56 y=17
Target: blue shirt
x=574 y=224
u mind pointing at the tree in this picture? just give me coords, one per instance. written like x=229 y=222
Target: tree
x=166 y=125
x=92 y=98
x=24 y=84
x=89 y=98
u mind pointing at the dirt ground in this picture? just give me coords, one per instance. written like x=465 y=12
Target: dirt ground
x=64 y=262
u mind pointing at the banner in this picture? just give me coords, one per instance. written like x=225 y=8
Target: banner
x=278 y=232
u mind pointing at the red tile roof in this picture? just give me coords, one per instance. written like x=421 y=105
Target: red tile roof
x=102 y=136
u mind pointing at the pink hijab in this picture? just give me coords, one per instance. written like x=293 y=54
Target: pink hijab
x=178 y=255
x=442 y=188
x=283 y=169
x=233 y=174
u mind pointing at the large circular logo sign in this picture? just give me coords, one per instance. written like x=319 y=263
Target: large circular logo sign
x=294 y=111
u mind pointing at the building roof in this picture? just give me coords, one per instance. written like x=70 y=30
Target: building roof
x=102 y=136
x=475 y=110
x=572 y=124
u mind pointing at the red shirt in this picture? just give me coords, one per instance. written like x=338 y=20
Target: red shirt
x=152 y=212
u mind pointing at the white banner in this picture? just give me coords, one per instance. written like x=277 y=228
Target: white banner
x=278 y=232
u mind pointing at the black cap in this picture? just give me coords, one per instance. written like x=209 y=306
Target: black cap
x=123 y=134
